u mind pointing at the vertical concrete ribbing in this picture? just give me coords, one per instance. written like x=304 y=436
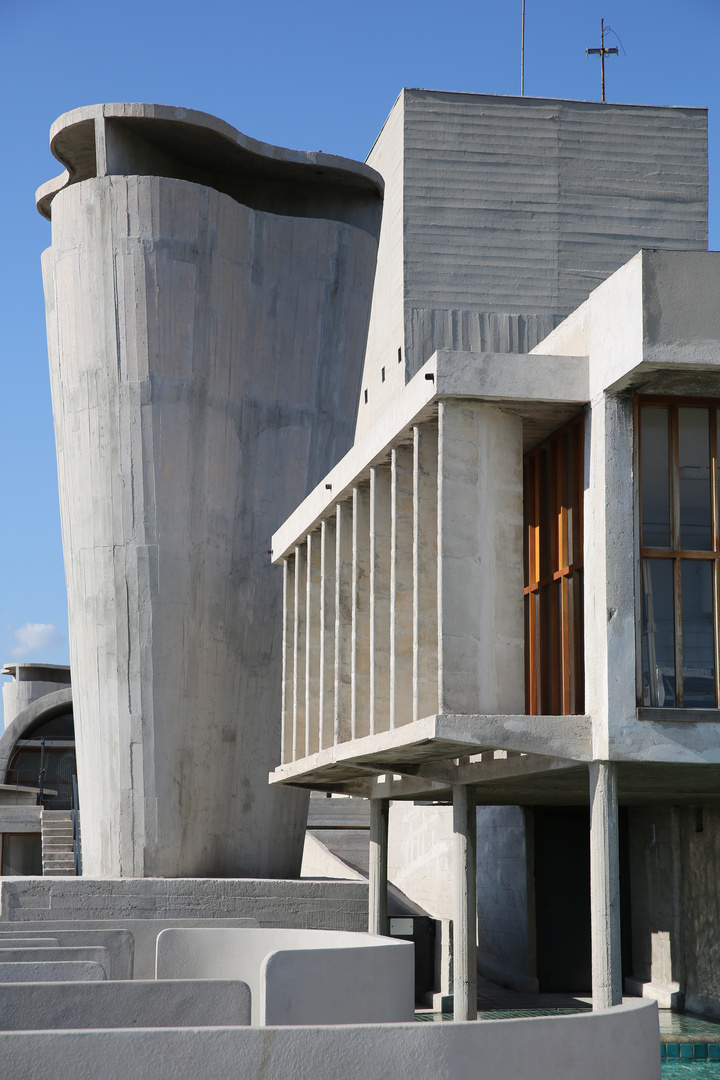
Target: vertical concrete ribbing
x=343 y=621
x=288 y=657
x=380 y=530
x=401 y=587
x=299 y=652
x=360 y=677
x=378 y=866
x=464 y=907
x=425 y=637
x=326 y=690
x=605 y=885
x=480 y=573
x=312 y=651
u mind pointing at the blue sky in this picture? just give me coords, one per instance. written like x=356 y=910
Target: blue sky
x=318 y=75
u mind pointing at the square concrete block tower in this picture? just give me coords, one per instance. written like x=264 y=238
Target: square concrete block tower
x=207 y=302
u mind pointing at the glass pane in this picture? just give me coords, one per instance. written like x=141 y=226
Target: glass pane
x=655 y=477
x=658 y=634
x=698 y=648
x=694 y=461
x=21 y=854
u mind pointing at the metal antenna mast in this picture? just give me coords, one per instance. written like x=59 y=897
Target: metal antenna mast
x=602 y=52
x=522 y=52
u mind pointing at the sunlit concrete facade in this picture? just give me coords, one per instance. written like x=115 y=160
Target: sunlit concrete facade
x=207 y=307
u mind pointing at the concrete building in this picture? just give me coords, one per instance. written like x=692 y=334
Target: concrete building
x=498 y=618
x=476 y=571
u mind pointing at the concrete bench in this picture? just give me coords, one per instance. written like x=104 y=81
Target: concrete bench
x=174 y=1003
x=50 y=955
x=613 y=1044
x=144 y=933
x=119 y=943
x=299 y=976
x=60 y=971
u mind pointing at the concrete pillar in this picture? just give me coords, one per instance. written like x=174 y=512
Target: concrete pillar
x=288 y=658
x=312 y=644
x=401 y=586
x=30 y=682
x=481 y=663
x=181 y=400
x=377 y=914
x=380 y=546
x=464 y=905
x=326 y=704
x=425 y=544
x=299 y=652
x=605 y=885
x=343 y=621
x=360 y=676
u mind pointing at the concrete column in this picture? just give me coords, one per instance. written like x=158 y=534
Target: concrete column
x=377 y=914
x=299 y=651
x=425 y=537
x=360 y=675
x=343 y=621
x=401 y=587
x=481 y=666
x=380 y=530
x=605 y=885
x=288 y=658
x=464 y=906
x=326 y=702
x=312 y=643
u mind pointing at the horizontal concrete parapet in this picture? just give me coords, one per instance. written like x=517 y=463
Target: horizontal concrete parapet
x=326 y=905
x=148 y=1004
x=59 y=971
x=50 y=955
x=304 y=977
x=613 y=1044
x=120 y=944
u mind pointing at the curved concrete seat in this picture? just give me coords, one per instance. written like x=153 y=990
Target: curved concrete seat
x=299 y=976
x=613 y=1044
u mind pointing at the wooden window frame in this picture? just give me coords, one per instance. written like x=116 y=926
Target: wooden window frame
x=554 y=661
x=673 y=553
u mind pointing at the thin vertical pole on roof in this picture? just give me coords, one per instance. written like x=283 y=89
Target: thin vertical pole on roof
x=522 y=52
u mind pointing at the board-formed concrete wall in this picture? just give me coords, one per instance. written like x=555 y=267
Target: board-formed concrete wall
x=504 y=213
x=207 y=305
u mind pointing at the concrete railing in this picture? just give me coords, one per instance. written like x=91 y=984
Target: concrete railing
x=299 y=976
x=622 y=1043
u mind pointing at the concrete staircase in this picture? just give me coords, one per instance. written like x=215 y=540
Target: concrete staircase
x=58 y=855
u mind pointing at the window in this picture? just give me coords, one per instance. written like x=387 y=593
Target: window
x=553 y=493
x=679 y=552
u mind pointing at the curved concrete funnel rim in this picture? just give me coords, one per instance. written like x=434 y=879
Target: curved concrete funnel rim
x=199 y=141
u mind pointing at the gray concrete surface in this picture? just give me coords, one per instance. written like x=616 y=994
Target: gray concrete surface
x=120 y=943
x=142 y=1004
x=621 y=1044
x=503 y=214
x=179 y=398
x=299 y=976
x=30 y=682
x=55 y=971
x=95 y=954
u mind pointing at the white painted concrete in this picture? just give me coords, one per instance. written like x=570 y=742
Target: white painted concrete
x=619 y=1044
x=299 y=976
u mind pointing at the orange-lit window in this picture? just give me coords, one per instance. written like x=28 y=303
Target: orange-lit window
x=553 y=492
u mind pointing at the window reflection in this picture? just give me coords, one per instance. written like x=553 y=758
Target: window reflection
x=694 y=475
x=654 y=465
x=658 y=633
x=698 y=642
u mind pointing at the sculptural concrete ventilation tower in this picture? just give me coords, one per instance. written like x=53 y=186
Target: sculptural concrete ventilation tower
x=207 y=306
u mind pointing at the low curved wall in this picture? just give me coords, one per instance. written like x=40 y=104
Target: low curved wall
x=303 y=977
x=615 y=1044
